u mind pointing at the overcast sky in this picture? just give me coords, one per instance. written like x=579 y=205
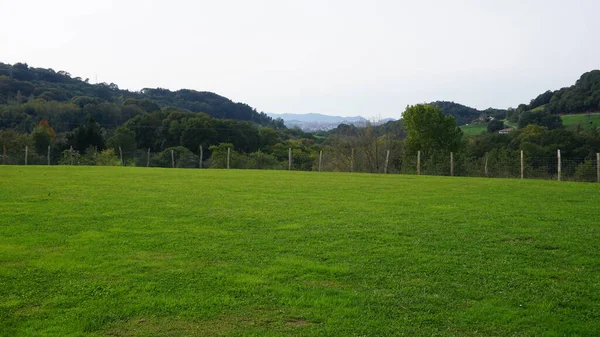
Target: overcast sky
x=345 y=57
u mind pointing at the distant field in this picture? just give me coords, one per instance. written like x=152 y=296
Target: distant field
x=473 y=129
x=101 y=251
x=585 y=120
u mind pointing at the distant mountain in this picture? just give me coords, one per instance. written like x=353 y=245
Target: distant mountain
x=317 y=122
x=315 y=117
x=311 y=122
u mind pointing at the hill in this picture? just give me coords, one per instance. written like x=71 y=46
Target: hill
x=464 y=114
x=583 y=96
x=20 y=83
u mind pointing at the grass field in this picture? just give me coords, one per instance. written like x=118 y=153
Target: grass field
x=473 y=129
x=585 y=120
x=99 y=251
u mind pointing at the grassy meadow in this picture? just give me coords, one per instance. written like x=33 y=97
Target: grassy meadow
x=120 y=251
x=584 y=120
x=473 y=129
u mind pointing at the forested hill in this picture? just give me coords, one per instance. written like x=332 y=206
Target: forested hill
x=464 y=114
x=583 y=96
x=20 y=83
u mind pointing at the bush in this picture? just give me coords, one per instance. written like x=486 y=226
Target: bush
x=586 y=171
x=106 y=158
x=184 y=158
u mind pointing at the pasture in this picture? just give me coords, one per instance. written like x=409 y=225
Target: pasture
x=473 y=129
x=122 y=251
x=584 y=120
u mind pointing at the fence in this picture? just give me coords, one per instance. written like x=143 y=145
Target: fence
x=496 y=164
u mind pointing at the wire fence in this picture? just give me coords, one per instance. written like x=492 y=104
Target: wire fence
x=496 y=164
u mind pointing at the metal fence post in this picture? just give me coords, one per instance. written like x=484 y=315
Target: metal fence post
x=559 y=165
x=598 y=166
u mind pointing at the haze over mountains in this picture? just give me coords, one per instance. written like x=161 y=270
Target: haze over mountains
x=322 y=122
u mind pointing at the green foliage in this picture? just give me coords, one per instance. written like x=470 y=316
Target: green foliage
x=218 y=158
x=586 y=171
x=543 y=118
x=429 y=130
x=184 y=158
x=87 y=135
x=495 y=125
x=584 y=96
x=107 y=157
x=43 y=136
x=124 y=138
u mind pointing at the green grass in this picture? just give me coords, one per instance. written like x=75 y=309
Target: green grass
x=93 y=251
x=585 y=120
x=473 y=129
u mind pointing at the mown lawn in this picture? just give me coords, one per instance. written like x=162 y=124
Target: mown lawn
x=93 y=251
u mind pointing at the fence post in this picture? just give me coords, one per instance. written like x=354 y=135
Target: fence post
x=486 y=165
x=522 y=165
x=419 y=163
x=387 y=160
x=121 y=155
x=26 y=153
x=598 y=166
x=4 y=154
x=452 y=164
x=148 y=158
x=48 y=154
x=228 y=154
x=290 y=159
x=352 y=161
x=320 y=159
x=201 y=155
x=559 y=164
x=71 y=151
x=172 y=159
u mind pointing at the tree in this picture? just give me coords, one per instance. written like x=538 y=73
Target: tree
x=43 y=136
x=495 y=125
x=124 y=138
x=87 y=135
x=429 y=130
x=542 y=118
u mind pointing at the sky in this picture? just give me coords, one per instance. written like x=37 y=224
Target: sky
x=345 y=58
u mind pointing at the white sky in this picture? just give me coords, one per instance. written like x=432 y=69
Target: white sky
x=368 y=58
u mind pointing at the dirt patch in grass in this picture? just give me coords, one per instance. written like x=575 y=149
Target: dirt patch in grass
x=171 y=327
x=298 y=322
